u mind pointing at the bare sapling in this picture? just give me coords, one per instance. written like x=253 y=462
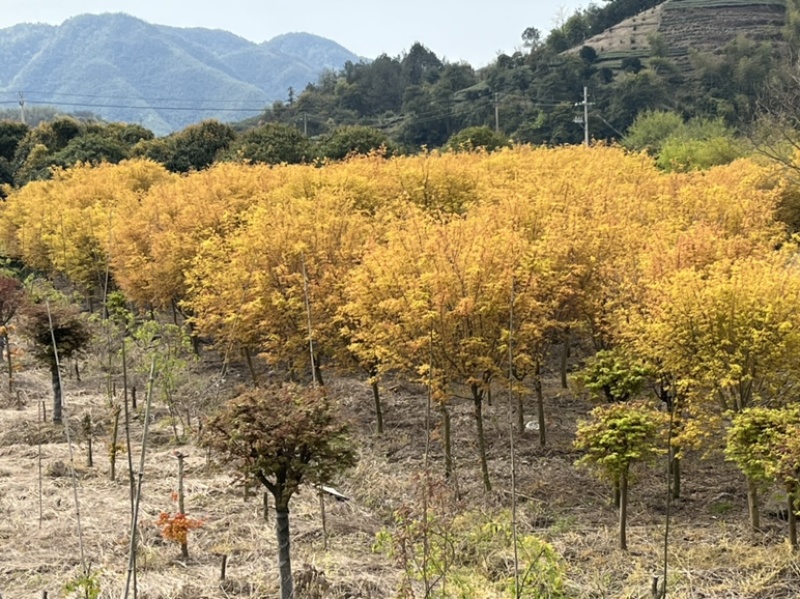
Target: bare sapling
x=114 y=447
x=87 y=434
x=181 y=501
x=138 y=497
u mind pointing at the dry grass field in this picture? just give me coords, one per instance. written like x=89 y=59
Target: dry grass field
x=712 y=555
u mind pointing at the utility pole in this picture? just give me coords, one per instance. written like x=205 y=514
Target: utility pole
x=497 y=112
x=585 y=120
x=22 y=108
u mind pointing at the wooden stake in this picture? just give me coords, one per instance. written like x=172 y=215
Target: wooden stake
x=224 y=569
x=324 y=520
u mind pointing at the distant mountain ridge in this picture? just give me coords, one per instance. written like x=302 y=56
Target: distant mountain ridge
x=125 y=69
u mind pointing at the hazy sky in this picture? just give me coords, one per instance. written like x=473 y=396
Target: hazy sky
x=456 y=29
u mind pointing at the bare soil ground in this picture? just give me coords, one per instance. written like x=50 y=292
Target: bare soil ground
x=712 y=554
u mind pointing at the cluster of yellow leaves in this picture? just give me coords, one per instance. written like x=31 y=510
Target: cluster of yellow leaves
x=391 y=262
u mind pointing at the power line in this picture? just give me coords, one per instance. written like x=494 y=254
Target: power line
x=118 y=97
x=140 y=107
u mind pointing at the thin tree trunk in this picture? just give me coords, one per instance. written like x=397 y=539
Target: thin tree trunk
x=752 y=505
x=791 y=496
x=10 y=369
x=128 y=451
x=478 y=401
x=447 y=439
x=135 y=517
x=249 y=358
x=537 y=385
x=284 y=553
x=376 y=395
x=623 y=510
x=56 y=393
x=318 y=372
x=127 y=422
x=676 y=475
x=324 y=518
x=565 y=350
x=89 y=457
x=182 y=502
x=112 y=454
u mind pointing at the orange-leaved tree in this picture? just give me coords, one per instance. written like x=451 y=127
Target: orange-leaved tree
x=275 y=285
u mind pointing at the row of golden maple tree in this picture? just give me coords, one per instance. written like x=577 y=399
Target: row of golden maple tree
x=461 y=270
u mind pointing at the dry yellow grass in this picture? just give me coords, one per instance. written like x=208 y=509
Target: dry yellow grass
x=712 y=555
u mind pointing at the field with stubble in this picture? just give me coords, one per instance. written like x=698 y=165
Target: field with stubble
x=711 y=554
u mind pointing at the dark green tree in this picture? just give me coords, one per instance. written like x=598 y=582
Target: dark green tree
x=56 y=325
x=473 y=138
x=284 y=437
x=197 y=146
x=273 y=143
x=11 y=133
x=353 y=139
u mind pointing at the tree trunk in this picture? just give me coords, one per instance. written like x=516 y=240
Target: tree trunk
x=376 y=395
x=112 y=454
x=537 y=385
x=752 y=505
x=10 y=369
x=477 y=396
x=447 y=439
x=56 y=378
x=284 y=553
x=318 y=372
x=249 y=358
x=565 y=350
x=623 y=510
x=791 y=496
x=676 y=475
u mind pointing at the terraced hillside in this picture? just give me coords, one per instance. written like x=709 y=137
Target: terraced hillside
x=685 y=25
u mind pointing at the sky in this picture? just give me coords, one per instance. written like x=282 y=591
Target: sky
x=454 y=29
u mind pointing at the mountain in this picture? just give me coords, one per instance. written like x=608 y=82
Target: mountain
x=125 y=69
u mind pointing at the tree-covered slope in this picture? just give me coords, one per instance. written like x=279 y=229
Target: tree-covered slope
x=125 y=69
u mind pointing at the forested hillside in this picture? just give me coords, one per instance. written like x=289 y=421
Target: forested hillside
x=702 y=58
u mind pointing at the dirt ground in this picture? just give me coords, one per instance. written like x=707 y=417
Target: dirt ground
x=711 y=554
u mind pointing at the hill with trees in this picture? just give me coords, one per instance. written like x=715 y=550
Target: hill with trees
x=162 y=78
x=698 y=58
